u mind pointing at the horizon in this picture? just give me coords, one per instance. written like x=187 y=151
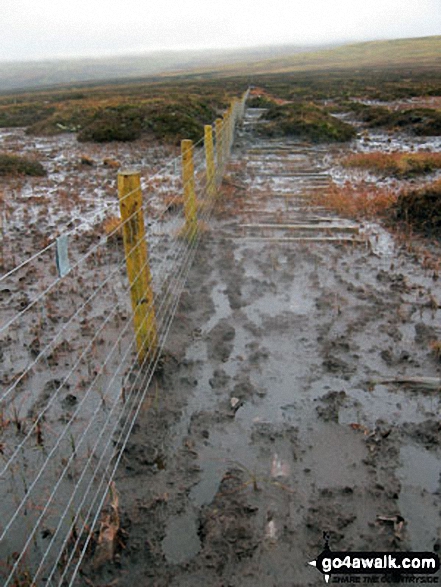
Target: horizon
x=177 y=50
x=94 y=29
x=306 y=47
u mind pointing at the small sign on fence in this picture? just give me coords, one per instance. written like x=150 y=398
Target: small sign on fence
x=62 y=257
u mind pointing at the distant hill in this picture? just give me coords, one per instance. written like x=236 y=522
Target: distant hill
x=41 y=74
x=415 y=52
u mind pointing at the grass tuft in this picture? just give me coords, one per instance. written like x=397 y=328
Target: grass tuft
x=401 y=165
x=421 y=208
x=357 y=201
x=435 y=347
x=112 y=227
x=13 y=165
x=418 y=121
x=306 y=121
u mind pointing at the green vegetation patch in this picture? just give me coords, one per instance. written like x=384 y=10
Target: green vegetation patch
x=12 y=165
x=306 y=121
x=67 y=119
x=113 y=117
x=383 y=84
x=23 y=114
x=260 y=102
x=421 y=208
x=118 y=123
x=180 y=120
x=418 y=121
x=166 y=121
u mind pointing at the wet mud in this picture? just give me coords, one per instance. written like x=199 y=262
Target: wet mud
x=282 y=411
x=67 y=351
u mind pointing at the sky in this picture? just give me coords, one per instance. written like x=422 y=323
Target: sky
x=40 y=29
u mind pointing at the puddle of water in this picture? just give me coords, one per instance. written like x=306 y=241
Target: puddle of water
x=419 y=468
x=283 y=383
x=226 y=448
x=421 y=517
x=419 y=474
x=335 y=453
x=211 y=471
x=181 y=542
x=272 y=305
x=388 y=143
x=399 y=406
x=221 y=305
x=295 y=298
x=335 y=456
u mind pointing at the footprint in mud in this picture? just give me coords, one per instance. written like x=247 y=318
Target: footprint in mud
x=244 y=389
x=337 y=366
x=43 y=398
x=234 y=295
x=331 y=404
x=424 y=334
x=219 y=380
x=220 y=341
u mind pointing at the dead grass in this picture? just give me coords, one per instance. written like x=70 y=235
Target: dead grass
x=107 y=541
x=396 y=164
x=357 y=201
x=111 y=163
x=435 y=347
x=173 y=202
x=406 y=210
x=112 y=227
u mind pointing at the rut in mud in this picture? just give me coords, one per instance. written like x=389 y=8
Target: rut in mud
x=276 y=417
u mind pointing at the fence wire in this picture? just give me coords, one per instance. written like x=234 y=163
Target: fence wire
x=73 y=382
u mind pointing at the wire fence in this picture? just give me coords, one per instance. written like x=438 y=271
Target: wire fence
x=74 y=376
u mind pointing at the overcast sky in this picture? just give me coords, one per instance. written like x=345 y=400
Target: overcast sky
x=35 y=29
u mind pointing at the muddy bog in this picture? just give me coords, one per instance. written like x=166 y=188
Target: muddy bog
x=292 y=401
x=297 y=398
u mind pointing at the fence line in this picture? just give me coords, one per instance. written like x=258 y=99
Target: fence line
x=69 y=406
x=64 y=231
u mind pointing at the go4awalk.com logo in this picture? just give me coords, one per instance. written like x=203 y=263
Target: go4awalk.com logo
x=378 y=567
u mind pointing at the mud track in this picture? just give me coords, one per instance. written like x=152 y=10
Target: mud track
x=276 y=417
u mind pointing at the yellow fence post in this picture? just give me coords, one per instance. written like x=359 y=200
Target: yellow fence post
x=237 y=106
x=137 y=262
x=190 y=203
x=219 y=149
x=242 y=103
x=225 y=137
x=230 y=128
x=209 y=161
